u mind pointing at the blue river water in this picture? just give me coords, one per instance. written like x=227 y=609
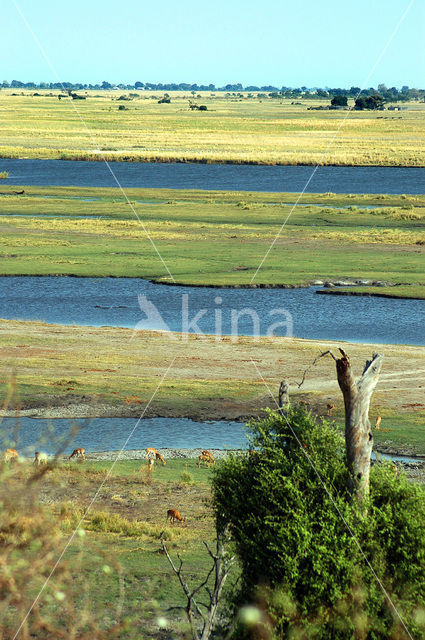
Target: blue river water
x=139 y=304
x=110 y=434
x=394 y=180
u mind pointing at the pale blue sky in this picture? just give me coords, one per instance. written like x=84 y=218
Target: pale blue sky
x=311 y=43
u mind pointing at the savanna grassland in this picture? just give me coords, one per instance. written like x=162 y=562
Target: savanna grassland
x=86 y=371
x=233 y=129
x=214 y=238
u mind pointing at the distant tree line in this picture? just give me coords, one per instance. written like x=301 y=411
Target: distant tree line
x=392 y=94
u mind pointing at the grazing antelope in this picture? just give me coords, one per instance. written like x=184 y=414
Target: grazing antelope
x=306 y=404
x=150 y=451
x=40 y=458
x=10 y=455
x=378 y=423
x=173 y=514
x=330 y=407
x=207 y=457
x=79 y=453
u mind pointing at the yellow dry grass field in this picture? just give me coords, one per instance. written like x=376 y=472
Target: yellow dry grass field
x=232 y=129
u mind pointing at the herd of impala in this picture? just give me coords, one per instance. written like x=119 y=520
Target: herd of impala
x=152 y=455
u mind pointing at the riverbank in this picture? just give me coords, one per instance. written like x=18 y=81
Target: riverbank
x=414 y=469
x=409 y=292
x=71 y=371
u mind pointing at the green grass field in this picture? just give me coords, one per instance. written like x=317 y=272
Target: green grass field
x=214 y=238
x=241 y=130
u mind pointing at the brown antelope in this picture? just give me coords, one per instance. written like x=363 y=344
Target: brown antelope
x=330 y=407
x=207 y=457
x=173 y=514
x=150 y=451
x=10 y=455
x=79 y=453
x=378 y=423
x=40 y=458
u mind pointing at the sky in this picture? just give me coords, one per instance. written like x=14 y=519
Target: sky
x=313 y=43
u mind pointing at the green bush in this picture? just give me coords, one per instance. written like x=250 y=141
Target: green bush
x=298 y=557
x=187 y=478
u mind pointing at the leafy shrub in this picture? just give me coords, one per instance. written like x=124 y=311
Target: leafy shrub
x=298 y=557
x=186 y=477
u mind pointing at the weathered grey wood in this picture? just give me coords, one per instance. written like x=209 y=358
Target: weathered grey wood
x=358 y=434
x=220 y=569
x=283 y=395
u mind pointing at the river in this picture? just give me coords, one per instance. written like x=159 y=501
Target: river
x=137 y=303
x=393 y=180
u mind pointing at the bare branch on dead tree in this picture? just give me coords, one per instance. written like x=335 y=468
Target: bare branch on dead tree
x=325 y=353
x=220 y=568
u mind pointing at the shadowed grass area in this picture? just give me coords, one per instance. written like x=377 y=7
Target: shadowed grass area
x=214 y=238
x=254 y=131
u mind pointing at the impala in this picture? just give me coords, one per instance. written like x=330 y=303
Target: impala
x=10 y=454
x=79 y=453
x=207 y=457
x=150 y=451
x=173 y=514
x=330 y=407
x=40 y=458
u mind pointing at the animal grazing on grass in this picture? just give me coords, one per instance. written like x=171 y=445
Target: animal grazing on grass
x=150 y=451
x=378 y=423
x=173 y=514
x=330 y=407
x=207 y=457
x=10 y=455
x=40 y=458
x=79 y=453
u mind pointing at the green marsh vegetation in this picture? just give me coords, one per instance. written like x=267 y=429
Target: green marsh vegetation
x=232 y=129
x=214 y=238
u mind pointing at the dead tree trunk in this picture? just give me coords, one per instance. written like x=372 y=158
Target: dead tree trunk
x=283 y=395
x=358 y=434
x=201 y=624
